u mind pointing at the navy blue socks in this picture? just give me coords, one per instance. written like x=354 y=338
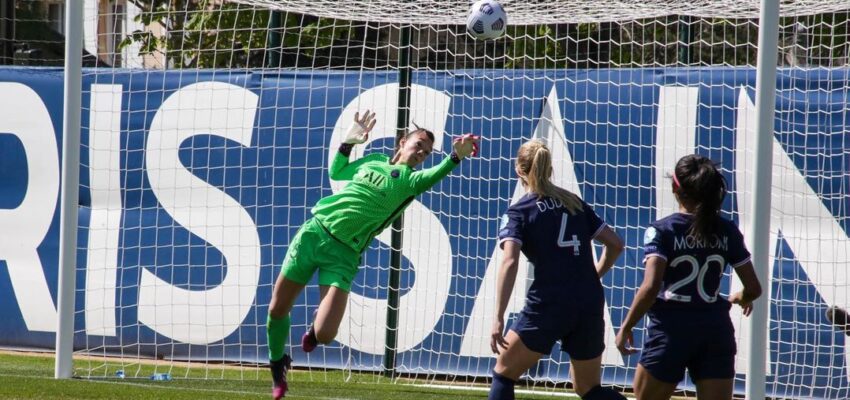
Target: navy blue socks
x=502 y=388
x=602 y=393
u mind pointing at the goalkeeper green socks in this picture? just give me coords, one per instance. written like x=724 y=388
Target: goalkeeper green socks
x=277 y=333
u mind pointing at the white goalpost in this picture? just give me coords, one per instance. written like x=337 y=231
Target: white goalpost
x=203 y=131
x=70 y=192
x=762 y=164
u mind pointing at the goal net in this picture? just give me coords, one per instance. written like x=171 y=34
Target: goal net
x=209 y=126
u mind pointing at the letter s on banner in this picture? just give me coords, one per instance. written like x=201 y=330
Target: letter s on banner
x=201 y=316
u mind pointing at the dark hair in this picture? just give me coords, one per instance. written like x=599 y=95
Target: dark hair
x=410 y=132
x=701 y=188
x=418 y=129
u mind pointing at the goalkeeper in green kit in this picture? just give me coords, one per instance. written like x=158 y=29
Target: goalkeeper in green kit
x=343 y=226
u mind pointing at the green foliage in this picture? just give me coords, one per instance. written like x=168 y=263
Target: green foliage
x=214 y=34
x=825 y=38
x=646 y=43
x=534 y=47
x=725 y=42
x=557 y=46
x=202 y=33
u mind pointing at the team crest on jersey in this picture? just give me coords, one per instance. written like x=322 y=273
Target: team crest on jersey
x=395 y=173
x=375 y=179
x=650 y=235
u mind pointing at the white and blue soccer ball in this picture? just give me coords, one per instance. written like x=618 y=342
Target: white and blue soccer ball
x=487 y=20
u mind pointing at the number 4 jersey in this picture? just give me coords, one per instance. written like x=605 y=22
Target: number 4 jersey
x=695 y=267
x=558 y=245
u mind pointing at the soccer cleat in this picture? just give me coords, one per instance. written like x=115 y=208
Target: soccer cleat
x=309 y=341
x=279 y=369
x=838 y=317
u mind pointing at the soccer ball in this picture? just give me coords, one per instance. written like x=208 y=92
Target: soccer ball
x=487 y=20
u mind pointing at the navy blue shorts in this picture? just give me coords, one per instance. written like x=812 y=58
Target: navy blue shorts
x=707 y=350
x=582 y=338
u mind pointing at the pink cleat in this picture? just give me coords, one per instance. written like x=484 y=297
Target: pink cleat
x=279 y=392
x=279 y=369
x=309 y=341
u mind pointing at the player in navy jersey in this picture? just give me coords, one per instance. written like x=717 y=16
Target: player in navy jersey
x=553 y=228
x=686 y=254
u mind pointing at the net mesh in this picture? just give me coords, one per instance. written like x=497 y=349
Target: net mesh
x=208 y=128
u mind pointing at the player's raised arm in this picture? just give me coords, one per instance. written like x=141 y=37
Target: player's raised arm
x=358 y=133
x=462 y=147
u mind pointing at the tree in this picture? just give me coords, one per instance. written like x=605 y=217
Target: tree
x=221 y=34
x=201 y=33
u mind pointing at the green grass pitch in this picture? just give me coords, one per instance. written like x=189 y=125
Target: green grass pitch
x=31 y=377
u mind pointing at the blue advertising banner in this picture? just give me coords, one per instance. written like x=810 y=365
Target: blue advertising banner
x=194 y=182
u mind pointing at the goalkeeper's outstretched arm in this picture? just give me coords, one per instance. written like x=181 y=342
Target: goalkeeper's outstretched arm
x=358 y=133
x=462 y=147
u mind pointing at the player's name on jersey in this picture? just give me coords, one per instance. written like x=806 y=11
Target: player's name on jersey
x=549 y=204
x=690 y=242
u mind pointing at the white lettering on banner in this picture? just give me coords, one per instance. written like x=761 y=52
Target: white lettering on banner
x=22 y=229
x=674 y=139
x=106 y=208
x=819 y=243
x=426 y=242
x=201 y=316
x=745 y=136
x=476 y=339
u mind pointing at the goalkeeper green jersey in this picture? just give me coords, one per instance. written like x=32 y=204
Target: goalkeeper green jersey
x=377 y=194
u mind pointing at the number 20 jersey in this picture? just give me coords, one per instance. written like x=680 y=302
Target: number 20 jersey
x=695 y=267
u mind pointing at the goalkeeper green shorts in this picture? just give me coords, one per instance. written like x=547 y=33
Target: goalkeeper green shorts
x=313 y=248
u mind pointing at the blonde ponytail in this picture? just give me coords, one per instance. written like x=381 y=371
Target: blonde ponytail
x=534 y=162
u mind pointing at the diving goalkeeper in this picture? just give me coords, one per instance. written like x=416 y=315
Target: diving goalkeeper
x=343 y=226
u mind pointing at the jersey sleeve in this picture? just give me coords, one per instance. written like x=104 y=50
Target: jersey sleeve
x=653 y=244
x=342 y=170
x=421 y=181
x=738 y=253
x=594 y=223
x=511 y=226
